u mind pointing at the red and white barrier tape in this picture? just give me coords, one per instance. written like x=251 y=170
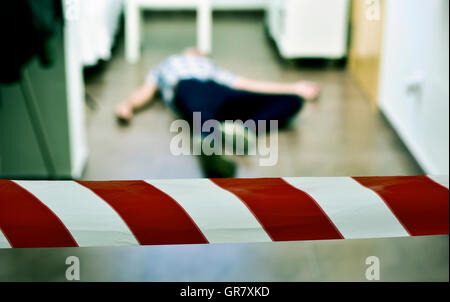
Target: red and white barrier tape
x=192 y=211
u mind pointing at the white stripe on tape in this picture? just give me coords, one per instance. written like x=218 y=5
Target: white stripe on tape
x=90 y=220
x=220 y=215
x=355 y=210
x=4 y=243
x=440 y=179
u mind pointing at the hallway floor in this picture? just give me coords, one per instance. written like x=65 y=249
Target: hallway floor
x=340 y=135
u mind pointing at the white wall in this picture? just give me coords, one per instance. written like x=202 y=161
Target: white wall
x=416 y=48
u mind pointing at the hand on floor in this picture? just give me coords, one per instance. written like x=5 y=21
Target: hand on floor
x=310 y=91
x=124 y=113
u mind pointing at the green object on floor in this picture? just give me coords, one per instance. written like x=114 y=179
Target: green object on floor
x=221 y=165
x=217 y=166
x=237 y=133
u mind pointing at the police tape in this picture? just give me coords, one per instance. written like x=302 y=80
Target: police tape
x=198 y=211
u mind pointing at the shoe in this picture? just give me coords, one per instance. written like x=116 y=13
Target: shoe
x=215 y=165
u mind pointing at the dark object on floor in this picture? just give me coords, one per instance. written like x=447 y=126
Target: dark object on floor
x=90 y=101
x=217 y=166
x=122 y=121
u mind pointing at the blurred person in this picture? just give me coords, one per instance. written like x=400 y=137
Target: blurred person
x=190 y=82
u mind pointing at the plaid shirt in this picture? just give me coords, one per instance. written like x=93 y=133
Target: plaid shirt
x=182 y=67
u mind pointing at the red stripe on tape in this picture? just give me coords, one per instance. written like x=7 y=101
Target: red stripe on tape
x=152 y=216
x=285 y=212
x=27 y=222
x=420 y=204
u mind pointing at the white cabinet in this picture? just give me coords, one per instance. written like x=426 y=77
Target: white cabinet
x=309 y=28
x=238 y=4
x=414 y=77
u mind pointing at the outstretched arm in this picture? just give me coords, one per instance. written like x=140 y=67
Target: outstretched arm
x=141 y=97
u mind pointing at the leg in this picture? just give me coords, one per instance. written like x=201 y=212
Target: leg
x=198 y=96
x=282 y=108
x=206 y=98
x=261 y=107
x=222 y=103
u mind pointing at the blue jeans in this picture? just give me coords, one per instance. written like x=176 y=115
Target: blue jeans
x=219 y=102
